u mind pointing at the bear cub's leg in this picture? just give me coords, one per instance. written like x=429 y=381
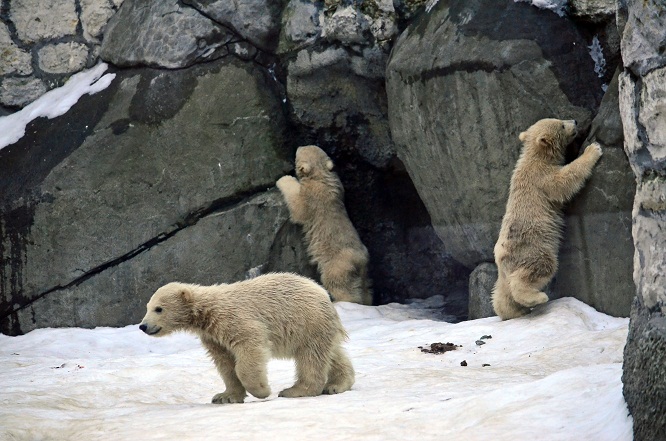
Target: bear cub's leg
x=340 y=374
x=224 y=362
x=251 y=361
x=311 y=370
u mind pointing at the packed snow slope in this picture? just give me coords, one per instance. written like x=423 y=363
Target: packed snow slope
x=552 y=375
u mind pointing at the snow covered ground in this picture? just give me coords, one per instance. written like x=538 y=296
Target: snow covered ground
x=553 y=375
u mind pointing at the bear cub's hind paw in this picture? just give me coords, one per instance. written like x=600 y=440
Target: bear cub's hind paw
x=534 y=300
x=331 y=389
x=228 y=397
x=297 y=392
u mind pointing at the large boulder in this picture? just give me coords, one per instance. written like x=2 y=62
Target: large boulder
x=463 y=81
x=642 y=92
x=132 y=168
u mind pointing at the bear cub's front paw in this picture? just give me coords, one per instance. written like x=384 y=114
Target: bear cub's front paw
x=286 y=183
x=594 y=150
x=228 y=397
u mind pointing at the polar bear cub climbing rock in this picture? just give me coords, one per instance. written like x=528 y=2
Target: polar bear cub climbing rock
x=316 y=201
x=526 y=251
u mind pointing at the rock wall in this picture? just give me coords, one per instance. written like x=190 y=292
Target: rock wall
x=168 y=173
x=418 y=102
x=643 y=110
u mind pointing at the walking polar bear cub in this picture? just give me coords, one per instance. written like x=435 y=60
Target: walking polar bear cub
x=243 y=324
x=526 y=251
x=316 y=201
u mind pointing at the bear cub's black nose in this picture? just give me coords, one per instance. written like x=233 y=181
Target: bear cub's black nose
x=143 y=327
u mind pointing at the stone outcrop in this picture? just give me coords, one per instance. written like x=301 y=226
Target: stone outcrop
x=481 y=284
x=642 y=92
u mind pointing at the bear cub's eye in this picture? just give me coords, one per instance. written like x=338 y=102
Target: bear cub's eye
x=158 y=309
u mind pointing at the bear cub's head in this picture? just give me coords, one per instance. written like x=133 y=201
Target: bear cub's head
x=168 y=310
x=550 y=137
x=311 y=161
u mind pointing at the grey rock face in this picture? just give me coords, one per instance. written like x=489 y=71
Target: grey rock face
x=255 y=20
x=300 y=25
x=642 y=91
x=208 y=252
x=595 y=261
x=335 y=90
x=481 y=284
x=645 y=136
x=456 y=114
x=157 y=152
x=643 y=39
x=162 y=34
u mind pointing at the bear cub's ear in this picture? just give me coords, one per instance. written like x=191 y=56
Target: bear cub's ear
x=185 y=295
x=304 y=168
x=522 y=136
x=545 y=141
x=329 y=165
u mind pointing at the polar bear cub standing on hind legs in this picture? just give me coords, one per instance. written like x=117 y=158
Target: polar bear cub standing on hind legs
x=316 y=201
x=244 y=324
x=526 y=251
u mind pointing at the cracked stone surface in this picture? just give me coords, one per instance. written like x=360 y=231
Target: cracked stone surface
x=142 y=160
x=255 y=20
x=163 y=34
x=643 y=38
x=208 y=252
x=594 y=10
